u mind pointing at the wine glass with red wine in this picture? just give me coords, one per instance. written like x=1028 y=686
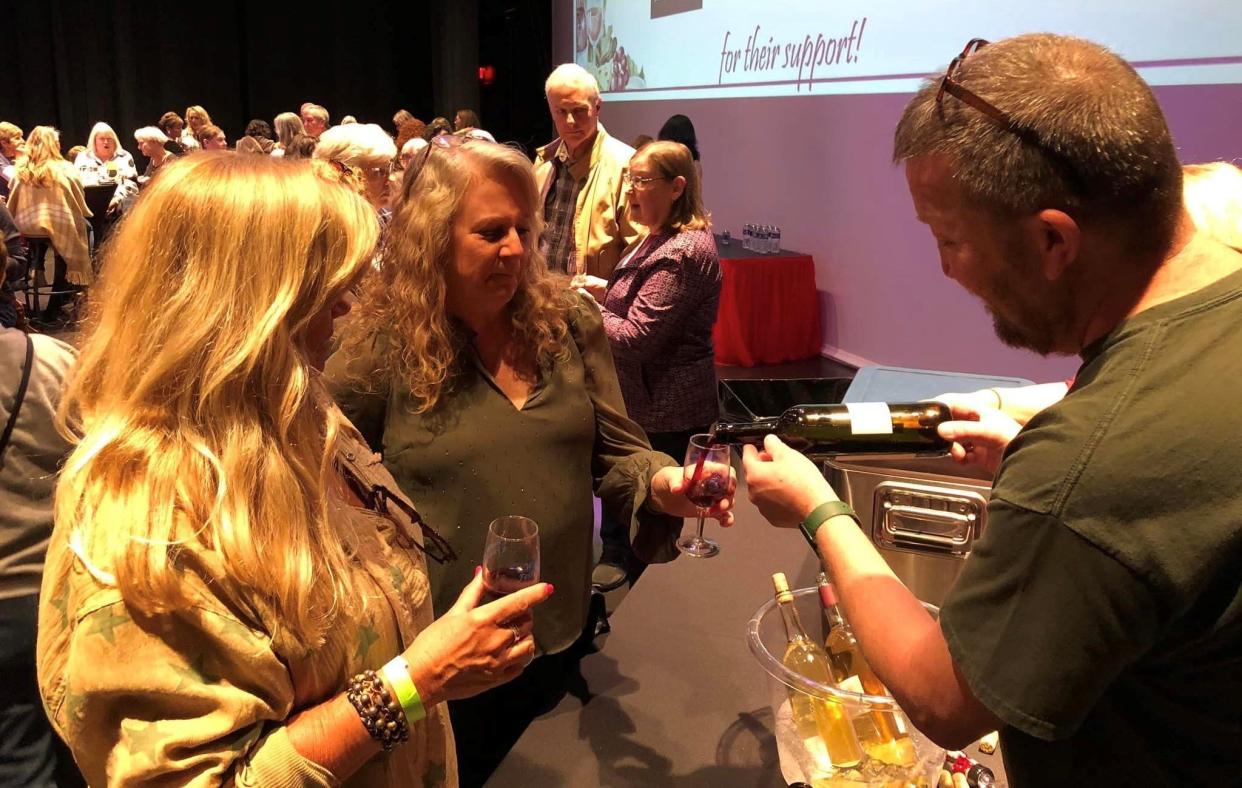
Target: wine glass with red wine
x=707 y=473
x=510 y=556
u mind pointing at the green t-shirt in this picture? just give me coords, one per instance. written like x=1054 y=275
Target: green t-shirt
x=1100 y=616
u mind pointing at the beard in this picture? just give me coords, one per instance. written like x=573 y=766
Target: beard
x=1039 y=319
x=1036 y=339
x=1028 y=312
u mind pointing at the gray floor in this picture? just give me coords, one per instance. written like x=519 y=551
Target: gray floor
x=674 y=696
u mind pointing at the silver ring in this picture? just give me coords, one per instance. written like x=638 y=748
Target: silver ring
x=517 y=636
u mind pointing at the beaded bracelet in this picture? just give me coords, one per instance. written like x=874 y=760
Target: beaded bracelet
x=381 y=715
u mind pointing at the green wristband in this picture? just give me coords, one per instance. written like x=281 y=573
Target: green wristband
x=821 y=514
x=397 y=671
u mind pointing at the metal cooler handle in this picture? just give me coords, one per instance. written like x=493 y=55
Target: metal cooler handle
x=926 y=519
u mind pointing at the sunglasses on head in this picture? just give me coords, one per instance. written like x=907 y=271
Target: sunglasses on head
x=949 y=84
x=439 y=142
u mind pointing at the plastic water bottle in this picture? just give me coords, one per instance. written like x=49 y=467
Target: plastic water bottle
x=747 y=236
x=765 y=234
x=776 y=241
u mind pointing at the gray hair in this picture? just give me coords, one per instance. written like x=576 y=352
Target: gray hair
x=361 y=145
x=413 y=145
x=571 y=75
x=1087 y=137
x=150 y=134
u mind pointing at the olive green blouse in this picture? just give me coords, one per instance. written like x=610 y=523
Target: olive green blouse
x=476 y=457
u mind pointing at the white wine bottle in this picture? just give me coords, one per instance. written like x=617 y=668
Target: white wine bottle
x=864 y=427
x=817 y=719
x=884 y=734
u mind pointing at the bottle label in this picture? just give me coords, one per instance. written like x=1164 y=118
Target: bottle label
x=870 y=418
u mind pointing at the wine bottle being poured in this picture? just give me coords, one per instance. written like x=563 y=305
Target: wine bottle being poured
x=867 y=427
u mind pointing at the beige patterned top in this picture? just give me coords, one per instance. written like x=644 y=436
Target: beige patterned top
x=198 y=697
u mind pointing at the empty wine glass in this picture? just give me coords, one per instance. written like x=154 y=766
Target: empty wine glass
x=707 y=471
x=510 y=556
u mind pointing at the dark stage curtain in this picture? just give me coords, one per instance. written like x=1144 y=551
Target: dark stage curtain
x=70 y=64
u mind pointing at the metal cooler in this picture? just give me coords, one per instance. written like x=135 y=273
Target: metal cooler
x=922 y=513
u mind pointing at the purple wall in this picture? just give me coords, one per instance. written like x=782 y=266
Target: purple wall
x=821 y=169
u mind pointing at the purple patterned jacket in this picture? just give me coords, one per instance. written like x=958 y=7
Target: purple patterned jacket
x=659 y=310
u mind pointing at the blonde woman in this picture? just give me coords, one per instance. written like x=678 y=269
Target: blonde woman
x=491 y=389
x=227 y=553
x=288 y=126
x=195 y=118
x=104 y=161
x=47 y=201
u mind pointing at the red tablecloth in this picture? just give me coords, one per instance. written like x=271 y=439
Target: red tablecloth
x=769 y=309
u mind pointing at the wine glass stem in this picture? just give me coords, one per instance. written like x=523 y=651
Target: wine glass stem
x=702 y=514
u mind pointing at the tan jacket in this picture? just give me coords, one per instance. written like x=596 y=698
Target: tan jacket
x=602 y=229
x=57 y=212
x=199 y=696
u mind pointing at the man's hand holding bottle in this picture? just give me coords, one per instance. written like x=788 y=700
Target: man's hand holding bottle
x=784 y=485
x=979 y=433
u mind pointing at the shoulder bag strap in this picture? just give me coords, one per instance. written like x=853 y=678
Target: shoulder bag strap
x=18 y=399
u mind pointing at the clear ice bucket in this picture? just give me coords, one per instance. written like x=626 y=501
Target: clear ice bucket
x=912 y=760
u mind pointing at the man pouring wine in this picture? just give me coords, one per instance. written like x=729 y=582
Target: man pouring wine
x=1098 y=621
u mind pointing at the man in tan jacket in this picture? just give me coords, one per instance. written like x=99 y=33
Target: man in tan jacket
x=579 y=175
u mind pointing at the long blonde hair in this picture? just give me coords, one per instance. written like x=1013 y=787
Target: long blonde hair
x=203 y=428
x=42 y=161
x=288 y=125
x=197 y=111
x=405 y=302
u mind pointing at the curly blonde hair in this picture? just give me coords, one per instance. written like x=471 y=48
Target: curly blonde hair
x=202 y=428
x=402 y=313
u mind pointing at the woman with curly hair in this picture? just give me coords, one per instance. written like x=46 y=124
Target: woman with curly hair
x=490 y=389
x=227 y=554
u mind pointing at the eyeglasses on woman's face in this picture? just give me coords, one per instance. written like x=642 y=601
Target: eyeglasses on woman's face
x=640 y=181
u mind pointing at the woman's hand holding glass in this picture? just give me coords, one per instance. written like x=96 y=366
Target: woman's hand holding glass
x=668 y=495
x=593 y=285
x=474 y=647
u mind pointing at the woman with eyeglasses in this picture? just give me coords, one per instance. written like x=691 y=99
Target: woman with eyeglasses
x=368 y=153
x=235 y=590
x=490 y=389
x=658 y=308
